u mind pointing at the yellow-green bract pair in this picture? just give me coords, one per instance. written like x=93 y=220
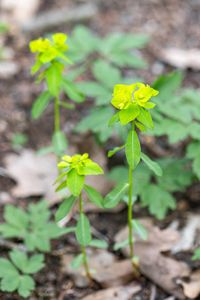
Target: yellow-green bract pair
x=49 y=49
x=74 y=169
x=132 y=99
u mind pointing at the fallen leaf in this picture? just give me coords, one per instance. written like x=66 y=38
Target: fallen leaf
x=191 y=288
x=33 y=174
x=116 y=293
x=188 y=234
x=181 y=58
x=154 y=264
x=8 y=69
x=20 y=10
x=105 y=269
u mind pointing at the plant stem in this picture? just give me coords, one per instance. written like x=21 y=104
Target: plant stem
x=56 y=114
x=130 y=216
x=83 y=248
x=130 y=212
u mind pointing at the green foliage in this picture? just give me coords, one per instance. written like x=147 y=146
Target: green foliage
x=15 y=274
x=132 y=149
x=177 y=115
x=196 y=255
x=116 y=195
x=115 y=47
x=19 y=140
x=32 y=226
x=157 y=196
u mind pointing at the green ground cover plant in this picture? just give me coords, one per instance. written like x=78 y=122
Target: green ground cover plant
x=33 y=227
x=16 y=273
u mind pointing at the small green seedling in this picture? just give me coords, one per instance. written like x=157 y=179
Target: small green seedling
x=73 y=171
x=50 y=61
x=15 y=273
x=32 y=227
x=132 y=103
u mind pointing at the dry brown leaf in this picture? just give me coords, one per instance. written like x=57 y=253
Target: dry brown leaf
x=188 y=234
x=191 y=288
x=33 y=174
x=116 y=293
x=105 y=269
x=154 y=264
x=181 y=58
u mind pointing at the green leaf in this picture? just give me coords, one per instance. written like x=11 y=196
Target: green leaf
x=168 y=84
x=19 y=258
x=34 y=264
x=121 y=245
x=59 y=142
x=65 y=208
x=54 y=77
x=40 y=104
x=7 y=268
x=91 y=168
x=84 y=39
x=123 y=59
x=132 y=149
x=72 y=91
x=154 y=166
x=129 y=114
x=77 y=262
x=196 y=255
x=106 y=74
x=91 y=88
x=114 y=119
x=157 y=200
x=145 y=118
x=115 y=150
x=115 y=196
x=99 y=244
x=16 y=217
x=26 y=286
x=140 y=229
x=94 y=196
x=83 y=231
x=10 y=283
x=75 y=182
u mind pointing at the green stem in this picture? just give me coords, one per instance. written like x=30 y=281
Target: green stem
x=130 y=212
x=56 y=114
x=83 y=248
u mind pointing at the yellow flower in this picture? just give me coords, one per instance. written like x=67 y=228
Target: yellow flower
x=122 y=95
x=49 y=49
x=144 y=94
x=81 y=163
x=137 y=93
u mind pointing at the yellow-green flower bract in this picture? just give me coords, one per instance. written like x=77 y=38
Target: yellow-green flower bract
x=81 y=163
x=48 y=50
x=136 y=93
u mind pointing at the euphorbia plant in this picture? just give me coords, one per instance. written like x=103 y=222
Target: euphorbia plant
x=133 y=104
x=50 y=60
x=73 y=171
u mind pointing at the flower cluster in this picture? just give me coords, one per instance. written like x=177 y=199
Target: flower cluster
x=49 y=49
x=81 y=163
x=73 y=171
x=132 y=101
x=137 y=93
